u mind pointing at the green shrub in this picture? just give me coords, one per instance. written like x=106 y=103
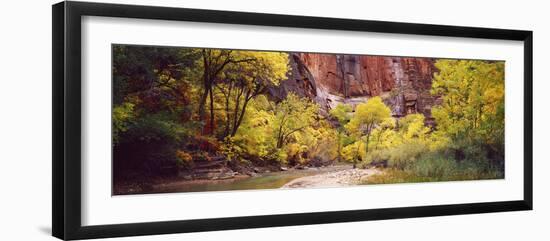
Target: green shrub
x=392 y=176
x=377 y=155
x=123 y=115
x=435 y=167
x=438 y=167
x=403 y=155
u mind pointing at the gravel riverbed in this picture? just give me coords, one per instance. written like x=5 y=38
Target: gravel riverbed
x=341 y=178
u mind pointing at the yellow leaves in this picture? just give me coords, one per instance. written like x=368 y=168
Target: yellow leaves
x=294 y=149
x=473 y=94
x=122 y=115
x=373 y=112
x=342 y=113
x=286 y=131
x=255 y=134
x=321 y=141
x=270 y=67
x=123 y=112
x=414 y=128
x=294 y=114
x=184 y=156
x=438 y=141
x=353 y=151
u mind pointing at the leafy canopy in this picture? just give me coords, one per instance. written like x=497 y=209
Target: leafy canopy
x=472 y=110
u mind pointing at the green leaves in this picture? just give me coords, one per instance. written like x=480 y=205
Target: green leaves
x=122 y=115
x=342 y=113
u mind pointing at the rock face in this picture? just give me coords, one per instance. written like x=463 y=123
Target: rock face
x=403 y=82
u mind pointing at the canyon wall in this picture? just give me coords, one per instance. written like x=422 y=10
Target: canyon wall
x=403 y=82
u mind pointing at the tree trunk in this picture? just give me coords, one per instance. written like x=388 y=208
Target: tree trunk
x=227 y=117
x=339 y=146
x=202 y=102
x=378 y=139
x=369 y=129
x=205 y=85
x=280 y=137
x=367 y=144
x=240 y=120
x=212 y=127
x=236 y=111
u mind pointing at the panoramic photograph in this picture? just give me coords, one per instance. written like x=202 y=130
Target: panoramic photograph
x=187 y=119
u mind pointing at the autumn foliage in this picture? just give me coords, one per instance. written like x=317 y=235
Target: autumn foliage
x=175 y=106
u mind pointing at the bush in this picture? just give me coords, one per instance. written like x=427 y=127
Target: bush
x=436 y=167
x=150 y=143
x=353 y=152
x=281 y=156
x=183 y=158
x=403 y=155
x=377 y=156
x=122 y=116
x=294 y=152
x=392 y=176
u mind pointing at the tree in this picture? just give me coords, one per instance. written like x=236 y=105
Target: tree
x=122 y=116
x=241 y=82
x=413 y=129
x=472 y=110
x=342 y=114
x=152 y=94
x=154 y=77
x=254 y=139
x=384 y=134
x=367 y=116
x=213 y=62
x=292 y=115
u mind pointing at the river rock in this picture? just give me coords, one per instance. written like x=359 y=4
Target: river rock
x=339 y=178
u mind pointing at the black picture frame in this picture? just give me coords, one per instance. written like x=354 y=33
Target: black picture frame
x=66 y=47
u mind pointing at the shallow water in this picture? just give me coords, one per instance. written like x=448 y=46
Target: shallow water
x=262 y=181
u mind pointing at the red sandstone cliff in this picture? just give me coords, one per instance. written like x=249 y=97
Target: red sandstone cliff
x=403 y=82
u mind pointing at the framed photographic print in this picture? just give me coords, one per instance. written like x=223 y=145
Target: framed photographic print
x=170 y=120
